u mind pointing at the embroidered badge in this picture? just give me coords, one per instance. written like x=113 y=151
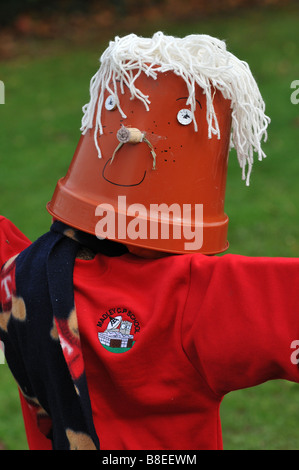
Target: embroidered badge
x=118 y=328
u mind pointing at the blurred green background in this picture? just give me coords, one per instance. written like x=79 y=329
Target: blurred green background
x=47 y=57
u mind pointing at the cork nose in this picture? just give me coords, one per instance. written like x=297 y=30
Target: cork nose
x=130 y=135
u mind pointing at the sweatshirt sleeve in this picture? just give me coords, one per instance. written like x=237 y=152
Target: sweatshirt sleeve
x=12 y=240
x=241 y=320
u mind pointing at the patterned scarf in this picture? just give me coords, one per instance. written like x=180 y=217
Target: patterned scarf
x=40 y=333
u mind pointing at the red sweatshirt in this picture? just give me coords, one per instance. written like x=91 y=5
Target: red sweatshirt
x=164 y=340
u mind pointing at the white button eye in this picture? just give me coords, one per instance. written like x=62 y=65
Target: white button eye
x=185 y=117
x=110 y=103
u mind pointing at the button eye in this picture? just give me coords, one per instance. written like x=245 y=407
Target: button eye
x=110 y=103
x=185 y=117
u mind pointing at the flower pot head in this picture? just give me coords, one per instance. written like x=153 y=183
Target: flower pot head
x=151 y=164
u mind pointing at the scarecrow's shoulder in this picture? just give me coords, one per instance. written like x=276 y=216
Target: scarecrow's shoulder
x=12 y=240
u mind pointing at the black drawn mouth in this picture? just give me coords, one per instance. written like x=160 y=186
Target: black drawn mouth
x=119 y=184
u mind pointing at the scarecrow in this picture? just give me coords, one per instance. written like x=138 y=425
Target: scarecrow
x=120 y=328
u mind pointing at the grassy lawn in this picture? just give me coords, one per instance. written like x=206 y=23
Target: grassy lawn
x=39 y=132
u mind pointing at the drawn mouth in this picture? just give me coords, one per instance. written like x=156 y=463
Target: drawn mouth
x=110 y=180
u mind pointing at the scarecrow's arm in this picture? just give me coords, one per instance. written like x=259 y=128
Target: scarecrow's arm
x=12 y=241
x=242 y=320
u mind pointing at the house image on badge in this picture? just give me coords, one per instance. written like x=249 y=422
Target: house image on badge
x=117 y=334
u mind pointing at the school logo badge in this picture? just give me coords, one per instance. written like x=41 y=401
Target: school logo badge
x=118 y=329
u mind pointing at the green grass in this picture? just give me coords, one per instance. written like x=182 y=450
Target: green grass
x=12 y=433
x=39 y=132
x=263 y=417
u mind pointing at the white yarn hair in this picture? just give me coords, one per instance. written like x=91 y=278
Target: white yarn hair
x=198 y=59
